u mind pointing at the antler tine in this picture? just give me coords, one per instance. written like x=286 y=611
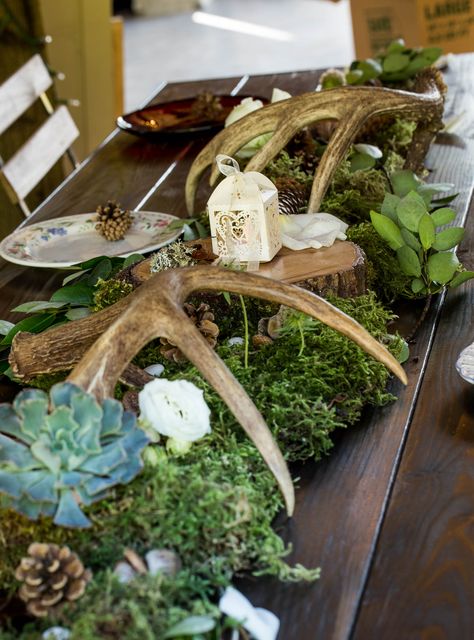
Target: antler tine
x=103 y=363
x=259 y=287
x=198 y=351
x=286 y=117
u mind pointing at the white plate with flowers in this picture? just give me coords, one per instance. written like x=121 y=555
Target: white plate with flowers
x=62 y=242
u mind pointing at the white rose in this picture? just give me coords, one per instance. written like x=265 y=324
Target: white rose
x=175 y=408
x=246 y=106
x=314 y=230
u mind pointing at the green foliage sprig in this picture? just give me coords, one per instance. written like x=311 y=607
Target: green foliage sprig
x=414 y=228
x=398 y=63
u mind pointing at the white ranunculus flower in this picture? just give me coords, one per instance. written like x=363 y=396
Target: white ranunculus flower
x=315 y=230
x=260 y=623
x=175 y=408
x=246 y=106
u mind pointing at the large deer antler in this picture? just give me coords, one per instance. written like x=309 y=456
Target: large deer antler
x=155 y=310
x=352 y=107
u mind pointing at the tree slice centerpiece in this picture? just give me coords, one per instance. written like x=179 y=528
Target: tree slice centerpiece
x=338 y=270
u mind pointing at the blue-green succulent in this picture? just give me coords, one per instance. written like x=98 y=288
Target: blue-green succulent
x=63 y=450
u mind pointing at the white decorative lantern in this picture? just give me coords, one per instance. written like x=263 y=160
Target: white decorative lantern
x=243 y=214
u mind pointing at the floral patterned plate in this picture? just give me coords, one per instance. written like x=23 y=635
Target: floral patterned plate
x=62 y=242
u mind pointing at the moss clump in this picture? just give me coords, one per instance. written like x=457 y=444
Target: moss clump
x=384 y=274
x=395 y=137
x=108 y=292
x=351 y=196
x=289 y=167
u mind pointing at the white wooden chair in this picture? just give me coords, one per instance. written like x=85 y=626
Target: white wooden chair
x=31 y=162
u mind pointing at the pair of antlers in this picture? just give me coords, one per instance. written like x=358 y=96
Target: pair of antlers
x=111 y=338
x=352 y=107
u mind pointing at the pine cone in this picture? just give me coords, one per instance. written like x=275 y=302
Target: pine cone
x=203 y=318
x=50 y=576
x=207 y=106
x=292 y=195
x=113 y=222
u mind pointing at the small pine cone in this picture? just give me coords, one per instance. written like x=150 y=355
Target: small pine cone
x=292 y=196
x=207 y=106
x=203 y=318
x=113 y=222
x=51 y=575
x=260 y=341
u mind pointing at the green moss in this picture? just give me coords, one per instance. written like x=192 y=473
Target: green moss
x=384 y=274
x=108 y=292
x=351 y=196
x=286 y=166
x=395 y=137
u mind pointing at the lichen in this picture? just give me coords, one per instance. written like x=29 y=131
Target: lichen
x=108 y=292
x=172 y=256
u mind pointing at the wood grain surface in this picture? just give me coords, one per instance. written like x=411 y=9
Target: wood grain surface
x=388 y=515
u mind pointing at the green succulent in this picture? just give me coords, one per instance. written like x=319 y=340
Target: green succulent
x=63 y=450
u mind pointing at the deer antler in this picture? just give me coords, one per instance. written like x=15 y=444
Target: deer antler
x=351 y=106
x=155 y=309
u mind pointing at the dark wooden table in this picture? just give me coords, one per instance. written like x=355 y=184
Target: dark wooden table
x=389 y=515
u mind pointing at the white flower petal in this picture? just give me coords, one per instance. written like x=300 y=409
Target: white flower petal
x=260 y=623
x=247 y=105
x=175 y=408
x=155 y=369
x=313 y=230
x=279 y=94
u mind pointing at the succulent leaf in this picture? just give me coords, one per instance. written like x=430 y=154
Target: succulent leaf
x=14 y=453
x=66 y=451
x=69 y=513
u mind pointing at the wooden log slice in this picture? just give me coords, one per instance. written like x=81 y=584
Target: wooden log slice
x=338 y=270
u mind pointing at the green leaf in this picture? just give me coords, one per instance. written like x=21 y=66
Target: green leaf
x=361 y=162
x=33 y=324
x=5 y=327
x=443 y=216
x=38 y=305
x=396 y=46
x=442 y=267
x=389 y=206
x=404 y=353
x=440 y=202
x=448 y=238
x=368 y=150
x=91 y=263
x=410 y=211
x=354 y=76
x=135 y=257
x=404 y=181
x=426 y=231
x=227 y=297
x=80 y=294
x=409 y=261
x=73 y=276
x=417 y=285
x=459 y=278
x=201 y=229
x=102 y=270
x=396 y=62
x=410 y=239
x=77 y=313
x=191 y=626
x=188 y=233
x=387 y=229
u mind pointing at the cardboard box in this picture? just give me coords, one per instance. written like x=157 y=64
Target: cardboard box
x=448 y=24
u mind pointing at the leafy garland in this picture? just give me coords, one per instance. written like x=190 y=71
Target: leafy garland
x=214 y=506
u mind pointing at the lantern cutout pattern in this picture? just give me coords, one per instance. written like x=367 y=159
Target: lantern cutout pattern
x=243 y=215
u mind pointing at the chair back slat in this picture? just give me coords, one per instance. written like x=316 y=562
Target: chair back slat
x=35 y=158
x=21 y=90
